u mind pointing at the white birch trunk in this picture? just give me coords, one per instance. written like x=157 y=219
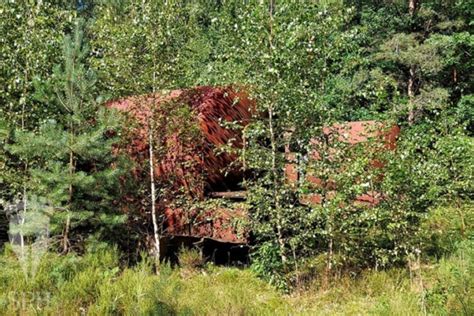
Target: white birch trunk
x=153 y=195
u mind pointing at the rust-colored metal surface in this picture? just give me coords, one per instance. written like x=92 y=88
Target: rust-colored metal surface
x=197 y=163
x=217 y=223
x=188 y=167
x=351 y=133
x=191 y=167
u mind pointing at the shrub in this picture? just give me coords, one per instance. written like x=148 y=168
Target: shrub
x=452 y=282
x=190 y=259
x=445 y=227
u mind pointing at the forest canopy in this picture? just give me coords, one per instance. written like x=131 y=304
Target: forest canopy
x=305 y=67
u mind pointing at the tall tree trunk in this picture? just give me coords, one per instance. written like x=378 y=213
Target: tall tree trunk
x=151 y=152
x=153 y=193
x=325 y=159
x=70 y=194
x=412 y=7
x=411 y=95
x=23 y=128
x=276 y=195
x=274 y=169
x=66 y=233
x=330 y=252
x=22 y=223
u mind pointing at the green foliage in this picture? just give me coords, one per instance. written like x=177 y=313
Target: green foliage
x=306 y=86
x=190 y=259
x=32 y=34
x=308 y=66
x=31 y=38
x=8 y=174
x=445 y=227
x=266 y=263
x=96 y=284
x=452 y=283
x=70 y=160
x=139 y=45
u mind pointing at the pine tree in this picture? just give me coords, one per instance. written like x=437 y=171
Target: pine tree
x=427 y=55
x=71 y=156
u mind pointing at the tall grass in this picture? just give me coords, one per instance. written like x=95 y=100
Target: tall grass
x=96 y=284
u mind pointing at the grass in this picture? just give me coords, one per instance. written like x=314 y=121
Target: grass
x=96 y=284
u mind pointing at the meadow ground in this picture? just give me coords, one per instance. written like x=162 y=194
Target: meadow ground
x=98 y=284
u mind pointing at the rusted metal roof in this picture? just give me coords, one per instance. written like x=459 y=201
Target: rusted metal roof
x=195 y=166
x=213 y=107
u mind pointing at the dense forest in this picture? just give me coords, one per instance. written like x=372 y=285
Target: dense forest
x=201 y=157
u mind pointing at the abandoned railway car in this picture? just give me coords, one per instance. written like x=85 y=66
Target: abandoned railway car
x=193 y=166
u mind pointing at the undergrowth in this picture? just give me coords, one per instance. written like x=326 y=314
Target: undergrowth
x=96 y=284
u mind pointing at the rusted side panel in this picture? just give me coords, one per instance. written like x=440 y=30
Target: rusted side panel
x=217 y=223
x=212 y=106
x=351 y=133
